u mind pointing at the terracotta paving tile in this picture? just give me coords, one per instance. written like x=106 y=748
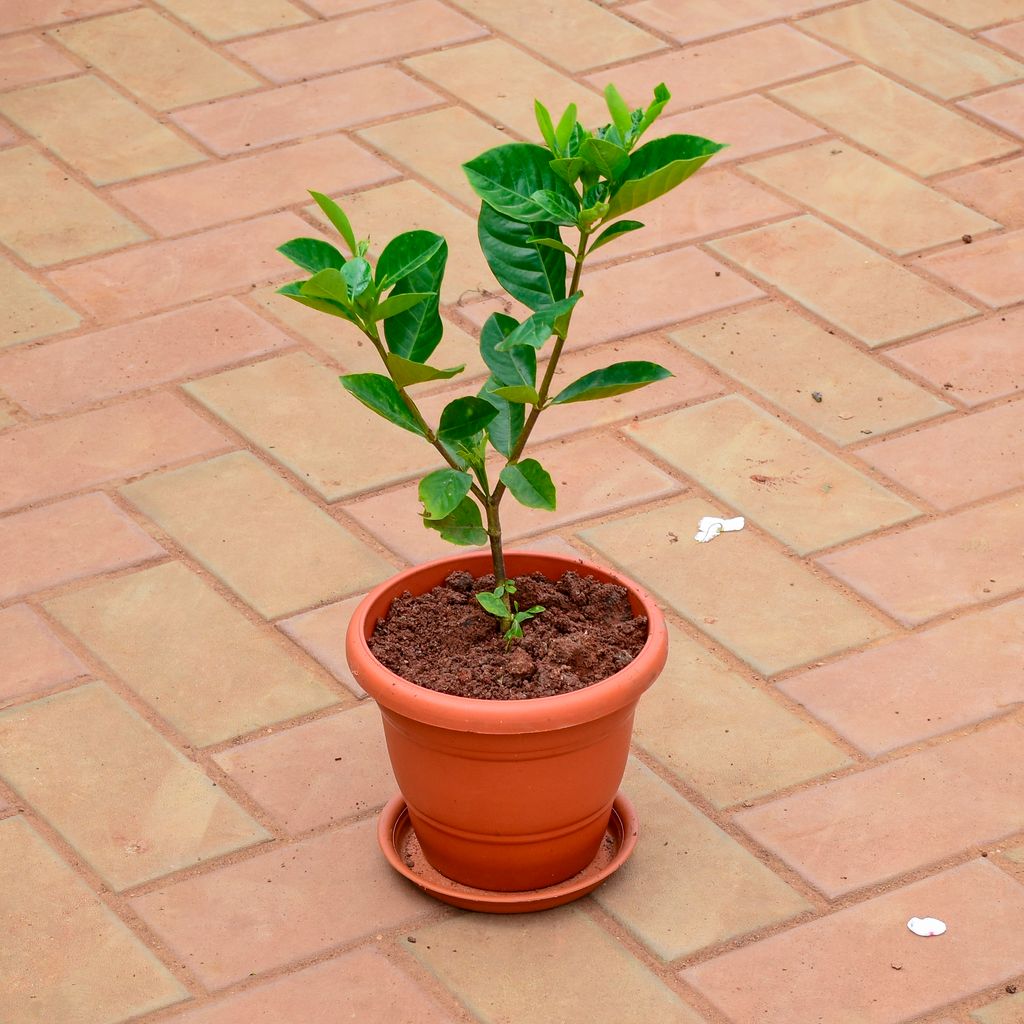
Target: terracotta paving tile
x=723 y=736
x=750 y=124
x=974 y=13
x=154 y=59
x=281 y=906
x=363 y=982
x=584 y=973
x=7 y=135
x=575 y=34
x=979 y=362
x=44 y=12
x=364 y=38
x=991 y=270
x=109 y=138
x=913 y=688
x=885 y=116
x=1009 y=36
x=690 y=885
x=285 y=555
x=394 y=515
x=880 y=823
x=138 y=808
x=384 y=212
x=914 y=47
x=332 y=7
x=31 y=311
x=987 y=450
x=68 y=374
x=167 y=273
x=869 y=197
x=226 y=677
x=725 y=66
x=93 y=448
x=316 y=773
x=502 y=82
x=845 y=959
x=767 y=609
x=45 y=547
x=230 y=19
x=785 y=358
x=282 y=405
x=306 y=108
x=321 y=634
x=789 y=486
x=935 y=567
x=25 y=59
x=209 y=195
x=1003 y=107
x=46 y=217
x=436 y=144
x=67 y=956
x=1008 y=1010
x=696 y=19
x=996 y=190
x=31 y=656
x=829 y=273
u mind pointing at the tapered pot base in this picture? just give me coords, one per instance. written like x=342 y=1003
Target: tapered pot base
x=402 y=849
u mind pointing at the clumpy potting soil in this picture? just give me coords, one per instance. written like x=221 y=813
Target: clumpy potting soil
x=445 y=641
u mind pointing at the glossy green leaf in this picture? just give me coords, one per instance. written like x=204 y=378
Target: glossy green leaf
x=442 y=491
x=404 y=254
x=294 y=291
x=613 y=231
x=530 y=484
x=328 y=284
x=547 y=129
x=568 y=168
x=530 y=273
x=559 y=209
x=405 y=372
x=566 y=123
x=395 y=304
x=462 y=526
x=463 y=417
x=658 y=167
x=379 y=393
x=616 y=379
x=417 y=331
x=358 y=275
x=519 y=393
x=506 y=178
x=492 y=604
x=551 y=244
x=337 y=217
x=618 y=109
x=536 y=329
x=661 y=97
x=515 y=367
x=609 y=159
x=312 y=254
x=507 y=425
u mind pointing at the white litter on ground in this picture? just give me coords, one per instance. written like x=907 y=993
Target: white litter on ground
x=711 y=526
x=926 y=926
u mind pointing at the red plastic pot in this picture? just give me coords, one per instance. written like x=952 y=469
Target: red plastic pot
x=507 y=795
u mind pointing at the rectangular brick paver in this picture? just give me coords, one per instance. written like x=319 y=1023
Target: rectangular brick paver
x=31 y=311
x=990 y=271
x=285 y=555
x=26 y=59
x=1007 y=1010
x=1003 y=107
x=226 y=677
x=997 y=190
x=974 y=13
x=32 y=658
x=229 y=19
x=44 y=12
x=66 y=955
x=321 y=634
x=139 y=808
x=695 y=19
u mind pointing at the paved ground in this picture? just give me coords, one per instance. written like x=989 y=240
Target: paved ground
x=192 y=505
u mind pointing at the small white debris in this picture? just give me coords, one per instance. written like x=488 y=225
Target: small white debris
x=926 y=926
x=711 y=526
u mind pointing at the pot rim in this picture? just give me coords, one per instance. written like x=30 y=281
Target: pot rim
x=471 y=714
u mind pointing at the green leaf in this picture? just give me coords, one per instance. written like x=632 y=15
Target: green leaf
x=518 y=366
x=507 y=425
x=536 y=329
x=442 y=491
x=520 y=393
x=547 y=129
x=337 y=217
x=616 y=379
x=405 y=372
x=379 y=393
x=530 y=484
x=417 y=331
x=294 y=291
x=462 y=526
x=568 y=168
x=463 y=417
x=559 y=209
x=618 y=109
x=661 y=97
x=530 y=273
x=609 y=159
x=551 y=244
x=404 y=254
x=395 y=304
x=492 y=604
x=506 y=178
x=658 y=167
x=613 y=231
x=312 y=254
x=358 y=275
x=328 y=284
x=566 y=123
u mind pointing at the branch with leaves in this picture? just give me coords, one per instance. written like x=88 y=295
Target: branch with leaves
x=579 y=181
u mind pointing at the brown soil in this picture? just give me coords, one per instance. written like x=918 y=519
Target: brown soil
x=445 y=641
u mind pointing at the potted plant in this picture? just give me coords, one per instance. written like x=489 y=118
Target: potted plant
x=510 y=785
